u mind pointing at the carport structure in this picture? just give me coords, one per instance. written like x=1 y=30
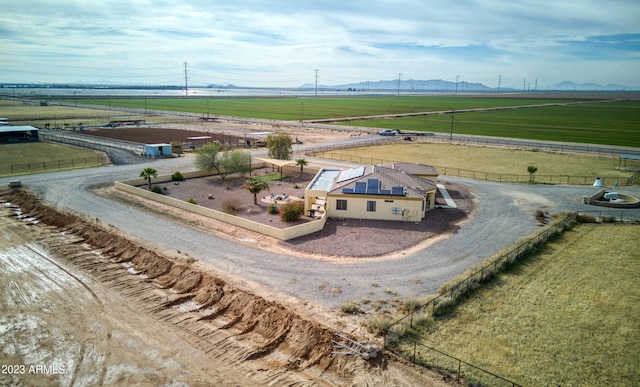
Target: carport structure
x=277 y=162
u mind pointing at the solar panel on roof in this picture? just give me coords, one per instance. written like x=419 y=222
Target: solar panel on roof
x=397 y=191
x=347 y=190
x=349 y=174
x=373 y=183
x=361 y=185
x=360 y=190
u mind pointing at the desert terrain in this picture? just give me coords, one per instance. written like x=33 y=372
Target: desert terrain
x=81 y=304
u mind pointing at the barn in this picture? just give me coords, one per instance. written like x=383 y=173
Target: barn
x=13 y=134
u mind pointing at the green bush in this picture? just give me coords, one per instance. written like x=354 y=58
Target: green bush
x=177 y=176
x=156 y=189
x=290 y=212
x=273 y=209
x=191 y=200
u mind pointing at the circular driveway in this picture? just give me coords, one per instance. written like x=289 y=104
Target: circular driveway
x=504 y=214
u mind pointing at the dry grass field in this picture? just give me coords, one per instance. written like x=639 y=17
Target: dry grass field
x=35 y=157
x=568 y=316
x=57 y=116
x=488 y=159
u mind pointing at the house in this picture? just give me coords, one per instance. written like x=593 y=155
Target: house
x=399 y=191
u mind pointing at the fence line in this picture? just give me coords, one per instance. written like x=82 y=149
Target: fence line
x=87 y=141
x=451 y=295
x=479 y=175
x=14 y=169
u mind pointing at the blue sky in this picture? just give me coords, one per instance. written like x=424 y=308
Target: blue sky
x=283 y=43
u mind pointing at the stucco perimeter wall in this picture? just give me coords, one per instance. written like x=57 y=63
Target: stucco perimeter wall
x=282 y=234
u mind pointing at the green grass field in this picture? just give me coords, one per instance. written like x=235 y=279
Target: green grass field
x=610 y=123
x=312 y=108
x=35 y=157
x=595 y=122
x=567 y=316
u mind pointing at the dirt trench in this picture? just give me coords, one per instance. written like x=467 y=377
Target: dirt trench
x=235 y=325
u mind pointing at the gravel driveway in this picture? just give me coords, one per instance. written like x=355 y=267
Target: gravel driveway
x=504 y=215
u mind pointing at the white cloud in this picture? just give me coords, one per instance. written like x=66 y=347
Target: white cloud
x=251 y=41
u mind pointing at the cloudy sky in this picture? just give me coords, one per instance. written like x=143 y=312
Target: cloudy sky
x=282 y=43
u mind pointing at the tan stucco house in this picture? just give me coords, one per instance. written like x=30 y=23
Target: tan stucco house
x=399 y=191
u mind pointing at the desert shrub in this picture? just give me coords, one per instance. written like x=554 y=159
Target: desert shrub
x=272 y=209
x=378 y=324
x=410 y=305
x=191 y=200
x=349 y=307
x=177 y=176
x=156 y=189
x=231 y=206
x=290 y=212
x=582 y=218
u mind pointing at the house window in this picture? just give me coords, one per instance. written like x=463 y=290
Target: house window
x=395 y=211
x=371 y=205
x=341 y=205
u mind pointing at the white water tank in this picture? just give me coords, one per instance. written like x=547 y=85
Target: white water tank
x=598 y=182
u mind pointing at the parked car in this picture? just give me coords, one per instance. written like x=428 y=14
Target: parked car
x=387 y=132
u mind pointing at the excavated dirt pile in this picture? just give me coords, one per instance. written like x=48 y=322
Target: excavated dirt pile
x=196 y=301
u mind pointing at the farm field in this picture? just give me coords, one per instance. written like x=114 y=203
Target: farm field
x=570 y=120
x=45 y=156
x=56 y=116
x=567 y=316
x=449 y=158
x=610 y=123
x=295 y=109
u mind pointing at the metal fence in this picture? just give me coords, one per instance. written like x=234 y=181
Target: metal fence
x=422 y=354
x=480 y=175
x=41 y=166
x=87 y=141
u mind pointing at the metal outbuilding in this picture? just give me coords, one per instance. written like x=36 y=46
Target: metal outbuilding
x=12 y=134
x=158 y=150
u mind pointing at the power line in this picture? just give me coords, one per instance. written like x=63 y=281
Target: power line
x=186 y=87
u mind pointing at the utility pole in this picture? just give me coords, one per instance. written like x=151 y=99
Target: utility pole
x=186 y=87
x=457 y=77
x=317 y=82
x=399 y=76
x=499 y=81
x=524 y=86
x=451 y=126
x=535 y=88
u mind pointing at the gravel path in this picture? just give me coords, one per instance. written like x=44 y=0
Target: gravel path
x=503 y=216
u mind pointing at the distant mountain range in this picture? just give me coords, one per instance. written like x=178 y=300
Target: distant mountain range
x=462 y=86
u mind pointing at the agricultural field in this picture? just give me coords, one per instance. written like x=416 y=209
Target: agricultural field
x=451 y=159
x=43 y=156
x=566 y=316
x=609 y=123
x=295 y=109
x=569 y=120
x=56 y=116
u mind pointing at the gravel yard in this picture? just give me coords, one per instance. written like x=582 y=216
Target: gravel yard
x=345 y=238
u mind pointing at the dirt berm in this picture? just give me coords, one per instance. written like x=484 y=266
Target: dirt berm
x=233 y=326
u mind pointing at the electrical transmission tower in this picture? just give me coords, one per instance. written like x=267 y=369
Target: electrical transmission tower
x=186 y=86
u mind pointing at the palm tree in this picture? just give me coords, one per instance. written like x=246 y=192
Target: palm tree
x=148 y=173
x=255 y=186
x=301 y=163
